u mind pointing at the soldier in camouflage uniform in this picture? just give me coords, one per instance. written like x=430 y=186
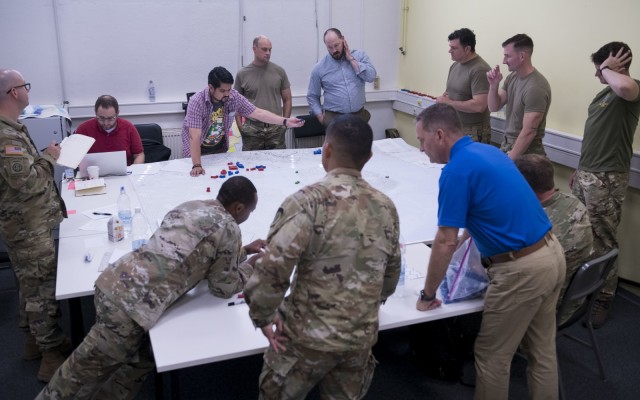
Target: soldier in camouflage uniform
x=30 y=206
x=343 y=236
x=197 y=240
x=602 y=177
x=567 y=214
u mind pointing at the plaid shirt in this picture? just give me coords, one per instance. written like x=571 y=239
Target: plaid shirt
x=199 y=113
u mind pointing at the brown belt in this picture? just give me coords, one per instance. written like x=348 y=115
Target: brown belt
x=514 y=255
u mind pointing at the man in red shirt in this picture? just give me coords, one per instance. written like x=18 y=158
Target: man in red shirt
x=112 y=133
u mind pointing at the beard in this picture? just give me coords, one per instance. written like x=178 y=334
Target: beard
x=338 y=56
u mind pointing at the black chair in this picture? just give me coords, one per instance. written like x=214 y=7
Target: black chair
x=584 y=287
x=311 y=134
x=154 y=148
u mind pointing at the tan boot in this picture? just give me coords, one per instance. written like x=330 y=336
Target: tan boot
x=31 y=350
x=51 y=360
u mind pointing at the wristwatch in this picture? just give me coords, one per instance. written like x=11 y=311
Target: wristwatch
x=426 y=298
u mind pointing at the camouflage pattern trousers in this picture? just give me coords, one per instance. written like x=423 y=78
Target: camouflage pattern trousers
x=261 y=136
x=603 y=194
x=478 y=132
x=35 y=264
x=111 y=363
x=291 y=374
x=535 y=147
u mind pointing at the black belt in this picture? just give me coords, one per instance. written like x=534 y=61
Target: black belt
x=259 y=123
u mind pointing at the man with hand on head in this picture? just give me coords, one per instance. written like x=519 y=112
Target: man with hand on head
x=266 y=85
x=482 y=191
x=341 y=234
x=197 y=240
x=467 y=86
x=30 y=207
x=527 y=95
x=210 y=114
x=602 y=177
x=339 y=78
x=111 y=132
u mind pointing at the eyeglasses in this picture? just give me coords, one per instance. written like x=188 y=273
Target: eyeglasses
x=107 y=119
x=26 y=86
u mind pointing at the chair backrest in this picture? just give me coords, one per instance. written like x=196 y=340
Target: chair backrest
x=153 y=143
x=585 y=285
x=311 y=127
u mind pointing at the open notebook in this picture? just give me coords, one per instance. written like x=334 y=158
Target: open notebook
x=110 y=163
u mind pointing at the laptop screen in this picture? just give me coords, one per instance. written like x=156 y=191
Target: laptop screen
x=110 y=163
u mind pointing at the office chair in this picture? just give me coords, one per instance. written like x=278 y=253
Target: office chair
x=154 y=148
x=585 y=286
x=309 y=135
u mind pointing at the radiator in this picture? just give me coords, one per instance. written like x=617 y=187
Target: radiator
x=173 y=139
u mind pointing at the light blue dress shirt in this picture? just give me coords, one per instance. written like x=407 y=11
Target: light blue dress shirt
x=343 y=88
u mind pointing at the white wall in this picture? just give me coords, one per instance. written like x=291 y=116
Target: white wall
x=115 y=47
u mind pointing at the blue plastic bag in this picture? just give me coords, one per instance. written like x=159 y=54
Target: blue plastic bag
x=466 y=278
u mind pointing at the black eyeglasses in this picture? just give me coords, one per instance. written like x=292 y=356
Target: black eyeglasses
x=26 y=86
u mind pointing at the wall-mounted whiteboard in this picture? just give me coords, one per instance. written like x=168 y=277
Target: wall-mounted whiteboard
x=117 y=46
x=292 y=27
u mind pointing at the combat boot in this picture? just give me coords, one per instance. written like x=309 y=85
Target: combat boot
x=51 y=360
x=31 y=350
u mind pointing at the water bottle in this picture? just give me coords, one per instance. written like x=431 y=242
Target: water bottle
x=139 y=229
x=124 y=211
x=403 y=269
x=152 y=92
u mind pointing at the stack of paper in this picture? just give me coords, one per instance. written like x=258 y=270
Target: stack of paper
x=90 y=187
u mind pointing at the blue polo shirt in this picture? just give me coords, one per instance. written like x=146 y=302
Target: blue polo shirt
x=482 y=190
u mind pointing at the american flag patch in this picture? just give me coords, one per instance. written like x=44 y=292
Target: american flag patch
x=13 y=150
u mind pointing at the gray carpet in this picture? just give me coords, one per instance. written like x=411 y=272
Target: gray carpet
x=397 y=376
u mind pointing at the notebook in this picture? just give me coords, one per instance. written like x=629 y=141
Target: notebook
x=110 y=163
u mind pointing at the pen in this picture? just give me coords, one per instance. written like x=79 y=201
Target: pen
x=235 y=303
x=101 y=213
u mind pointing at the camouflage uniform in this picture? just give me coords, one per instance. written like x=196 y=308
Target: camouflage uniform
x=197 y=240
x=478 y=132
x=343 y=236
x=535 y=147
x=572 y=227
x=257 y=135
x=30 y=207
x=602 y=176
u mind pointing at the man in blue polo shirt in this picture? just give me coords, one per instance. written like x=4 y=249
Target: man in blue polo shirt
x=482 y=191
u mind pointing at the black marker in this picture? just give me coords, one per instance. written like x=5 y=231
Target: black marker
x=101 y=213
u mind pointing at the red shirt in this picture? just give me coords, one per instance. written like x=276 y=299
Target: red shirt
x=124 y=137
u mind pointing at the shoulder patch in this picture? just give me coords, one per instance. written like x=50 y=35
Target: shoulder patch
x=17 y=166
x=13 y=150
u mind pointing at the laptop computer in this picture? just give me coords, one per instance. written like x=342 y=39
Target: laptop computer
x=110 y=163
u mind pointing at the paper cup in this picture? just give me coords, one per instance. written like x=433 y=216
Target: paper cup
x=93 y=171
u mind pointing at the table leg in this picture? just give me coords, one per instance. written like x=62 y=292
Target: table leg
x=76 y=321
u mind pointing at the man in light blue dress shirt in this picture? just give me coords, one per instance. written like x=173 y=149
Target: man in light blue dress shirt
x=340 y=77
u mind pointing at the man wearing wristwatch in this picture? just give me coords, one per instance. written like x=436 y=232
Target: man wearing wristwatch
x=210 y=114
x=602 y=177
x=482 y=191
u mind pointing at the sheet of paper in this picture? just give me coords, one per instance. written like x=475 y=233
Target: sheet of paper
x=98 y=213
x=73 y=149
x=144 y=169
x=88 y=184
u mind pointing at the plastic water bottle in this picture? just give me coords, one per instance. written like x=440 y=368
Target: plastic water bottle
x=124 y=211
x=139 y=229
x=152 y=92
x=403 y=269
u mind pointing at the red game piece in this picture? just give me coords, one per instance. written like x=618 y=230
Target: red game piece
x=208 y=189
x=223 y=172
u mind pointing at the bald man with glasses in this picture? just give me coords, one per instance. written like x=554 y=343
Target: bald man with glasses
x=111 y=132
x=30 y=207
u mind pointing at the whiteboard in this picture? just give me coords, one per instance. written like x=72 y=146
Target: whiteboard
x=291 y=26
x=115 y=47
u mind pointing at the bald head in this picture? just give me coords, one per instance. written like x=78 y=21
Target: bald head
x=14 y=96
x=261 y=50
